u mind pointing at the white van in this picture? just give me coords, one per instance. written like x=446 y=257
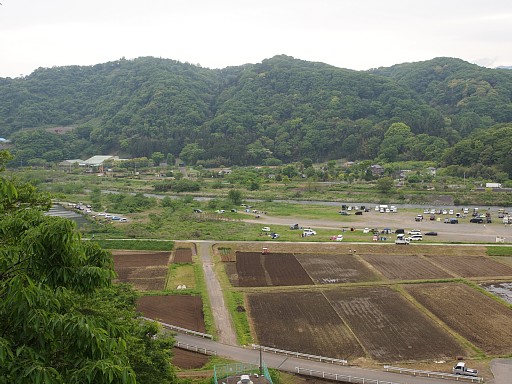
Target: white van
x=416 y=237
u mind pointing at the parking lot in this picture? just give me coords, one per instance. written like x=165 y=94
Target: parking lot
x=463 y=231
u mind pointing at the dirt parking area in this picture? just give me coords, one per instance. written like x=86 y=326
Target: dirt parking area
x=464 y=232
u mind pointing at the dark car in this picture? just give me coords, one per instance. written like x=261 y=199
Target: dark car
x=431 y=234
x=359 y=212
x=477 y=220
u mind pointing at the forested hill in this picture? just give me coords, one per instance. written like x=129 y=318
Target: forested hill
x=282 y=109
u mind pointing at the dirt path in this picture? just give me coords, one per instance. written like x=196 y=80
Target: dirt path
x=221 y=317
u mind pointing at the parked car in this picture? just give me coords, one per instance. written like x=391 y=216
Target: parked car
x=196 y=210
x=344 y=213
x=337 y=238
x=415 y=237
x=431 y=234
x=274 y=235
x=294 y=226
x=123 y=220
x=359 y=213
x=477 y=220
x=308 y=232
x=414 y=232
x=265 y=229
x=116 y=218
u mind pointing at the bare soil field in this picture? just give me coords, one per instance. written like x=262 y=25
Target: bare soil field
x=471 y=266
x=478 y=318
x=355 y=248
x=339 y=268
x=180 y=310
x=126 y=258
x=185 y=359
x=145 y=270
x=276 y=269
x=405 y=267
x=182 y=255
x=303 y=322
x=390 y=327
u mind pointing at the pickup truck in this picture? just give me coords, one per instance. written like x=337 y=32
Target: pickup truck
x=460 y=369
x=402 y=240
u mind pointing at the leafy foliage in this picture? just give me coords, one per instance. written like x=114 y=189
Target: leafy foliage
x=281 y=110
x=61 y=320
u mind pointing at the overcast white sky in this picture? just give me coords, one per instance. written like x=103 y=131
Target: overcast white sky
x=355 y=34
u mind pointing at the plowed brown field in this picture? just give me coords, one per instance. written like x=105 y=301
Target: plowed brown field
x=180 y=310
x=145 y=270
x=390 y=327
x=340 y=268
x=303 y=322
x=276 y=269
x=409 y=267
x=472 y=266
x=185 y=359
x=183 y=255
x=480 y=319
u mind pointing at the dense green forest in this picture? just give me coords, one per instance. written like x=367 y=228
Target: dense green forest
x=277 y=111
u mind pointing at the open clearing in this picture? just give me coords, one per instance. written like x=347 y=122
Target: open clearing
x=185 y=359
x=475 y=316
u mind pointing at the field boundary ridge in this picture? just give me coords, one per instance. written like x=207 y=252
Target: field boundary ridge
x=416 y=372
x=339 y=377
x=180 y=329
x=194 y=348
x=300 y=355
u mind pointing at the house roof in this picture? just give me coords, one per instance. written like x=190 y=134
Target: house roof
x=96 y=160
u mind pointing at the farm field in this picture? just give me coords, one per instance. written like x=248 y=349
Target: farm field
x=471 y=266
x=276 y=269
x=405 y=267
x=389 y=327
x=335 y=268
x=303 y=322
x=145 y=270
x=179 y=310
x=182 y=255
x=185 y=359
x=475 y=316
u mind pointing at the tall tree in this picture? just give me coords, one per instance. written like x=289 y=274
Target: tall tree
x=61 y=320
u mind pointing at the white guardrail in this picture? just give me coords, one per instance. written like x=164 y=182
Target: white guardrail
x=180 y=329
x=416 y=372
x=339 y=377
x=195 y=348
x=301 y=355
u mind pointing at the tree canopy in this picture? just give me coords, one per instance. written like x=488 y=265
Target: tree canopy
x=281 y=110
x=61 y=319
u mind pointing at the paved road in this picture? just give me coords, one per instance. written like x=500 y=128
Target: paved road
x=289 y=364
x=502 y=371
x=221 y=317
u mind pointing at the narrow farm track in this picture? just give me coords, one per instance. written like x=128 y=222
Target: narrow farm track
x=221 y=317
